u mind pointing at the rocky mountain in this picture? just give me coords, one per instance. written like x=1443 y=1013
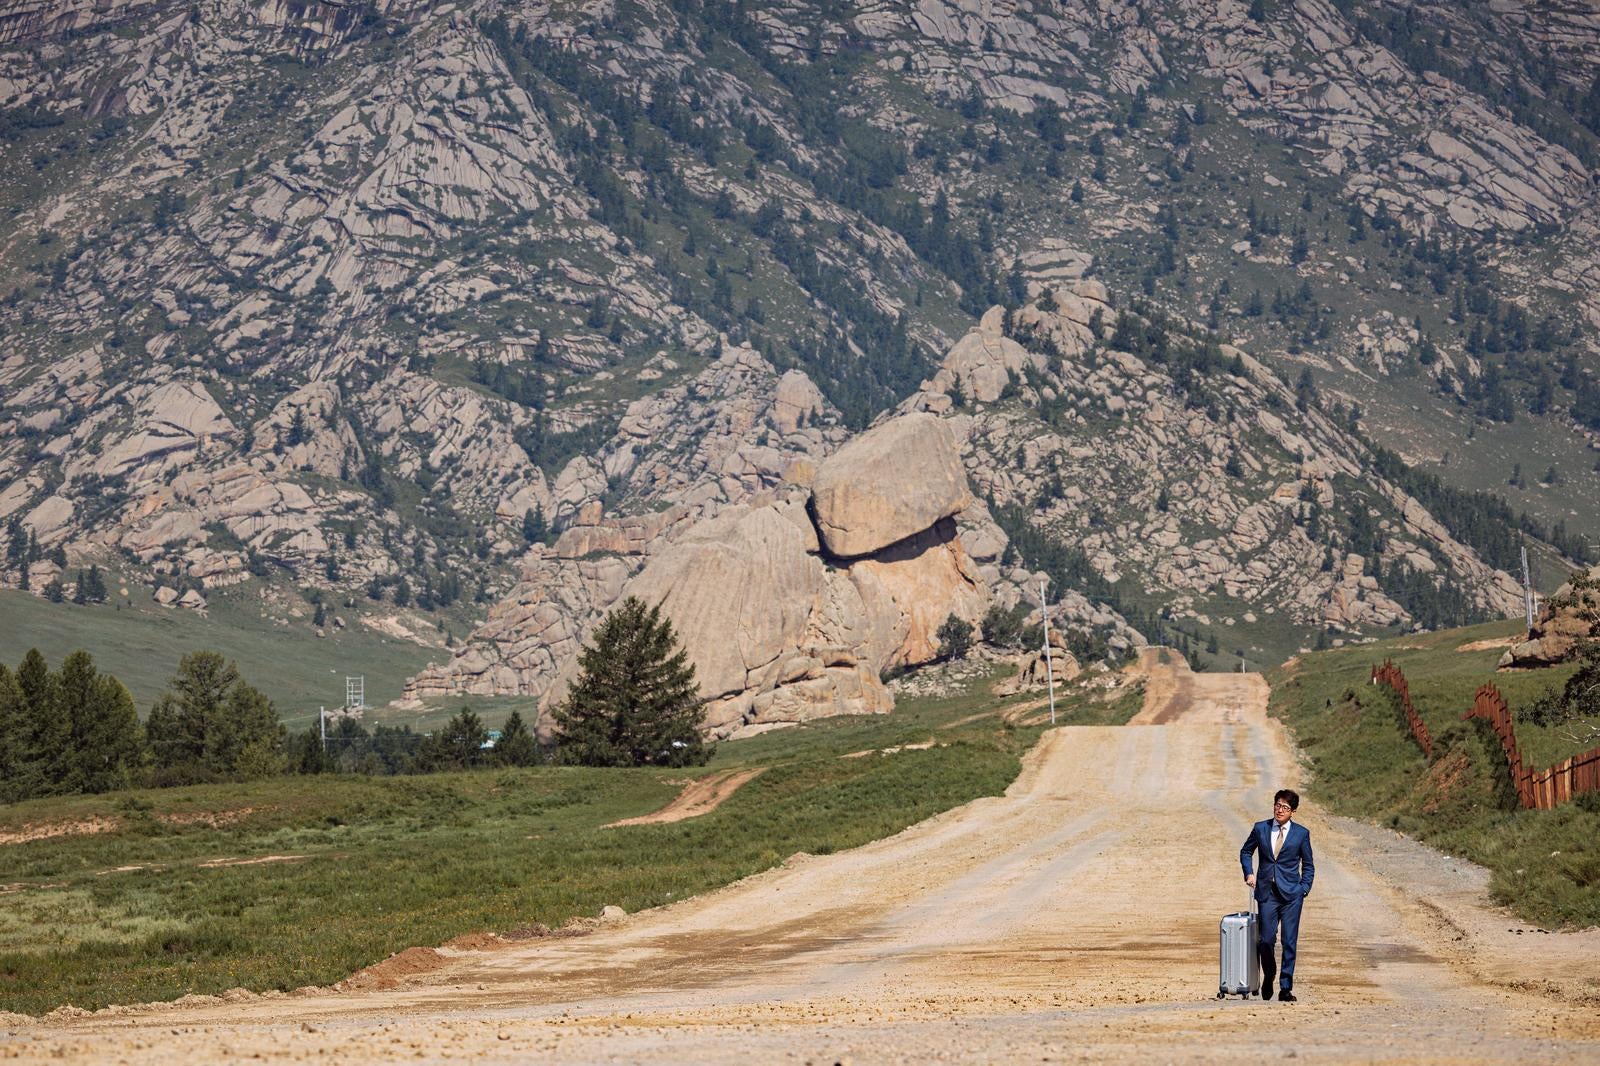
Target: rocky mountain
x=475 y=306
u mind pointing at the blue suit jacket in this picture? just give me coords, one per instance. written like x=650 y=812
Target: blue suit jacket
x=1290 y=874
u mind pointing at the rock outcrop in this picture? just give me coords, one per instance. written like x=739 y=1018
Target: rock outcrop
x=1034 y=673
x=1219 y=508
x=781 y=628
x=733 y=431
x=1567 y=619
x=357 y=328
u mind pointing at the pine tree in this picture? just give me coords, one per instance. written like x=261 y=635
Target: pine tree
x=16 y=542
x=13 y=737
x=106 y=741
x=955 y=637
x=635 y=701
x=534 y=529
x=211 y=723
x=459 y=745
x=96 y=592
x=516 y=746
x=308 y=756
x=46 y=730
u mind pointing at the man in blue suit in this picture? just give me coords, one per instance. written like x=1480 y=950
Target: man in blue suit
x=1282 y=883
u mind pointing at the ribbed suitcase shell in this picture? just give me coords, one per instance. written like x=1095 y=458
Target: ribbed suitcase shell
x=1239 y=965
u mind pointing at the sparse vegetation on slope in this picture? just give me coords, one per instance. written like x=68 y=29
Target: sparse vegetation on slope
x=1545 y=864
x=373 y=396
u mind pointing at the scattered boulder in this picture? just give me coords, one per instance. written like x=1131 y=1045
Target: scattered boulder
x=985 y=361
x=1034 y=673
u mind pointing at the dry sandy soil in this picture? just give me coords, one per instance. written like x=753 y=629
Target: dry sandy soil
x=700 y=796
x=1073 y=918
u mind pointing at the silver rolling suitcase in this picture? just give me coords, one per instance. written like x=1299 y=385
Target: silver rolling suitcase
x=1239 y=964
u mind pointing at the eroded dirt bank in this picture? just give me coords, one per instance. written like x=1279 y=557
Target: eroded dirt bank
x=1073 y=917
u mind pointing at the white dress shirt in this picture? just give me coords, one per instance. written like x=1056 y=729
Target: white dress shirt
x=1280 y=836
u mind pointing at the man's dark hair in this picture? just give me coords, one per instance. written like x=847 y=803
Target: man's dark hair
x=1289 y=796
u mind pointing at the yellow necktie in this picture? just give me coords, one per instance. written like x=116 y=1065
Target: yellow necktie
x=1277 y=841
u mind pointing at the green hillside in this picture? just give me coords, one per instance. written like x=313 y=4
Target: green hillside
x=141 y=644
x=1363 y=763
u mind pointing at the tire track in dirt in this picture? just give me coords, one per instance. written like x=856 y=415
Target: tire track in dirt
x=700 y=796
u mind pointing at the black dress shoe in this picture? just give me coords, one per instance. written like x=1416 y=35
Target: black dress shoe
x=1266 y=989
x=1286 y=996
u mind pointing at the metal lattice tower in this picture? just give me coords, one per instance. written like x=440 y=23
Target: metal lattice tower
x=1527 y=590
x=355 y=693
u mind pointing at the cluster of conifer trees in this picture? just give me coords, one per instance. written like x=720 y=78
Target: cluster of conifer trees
x=69 y=730
x=76 y=729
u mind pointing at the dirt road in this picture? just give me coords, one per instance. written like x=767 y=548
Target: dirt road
x=1075 y=917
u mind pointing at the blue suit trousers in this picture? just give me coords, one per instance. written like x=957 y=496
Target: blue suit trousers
x=1276 y=912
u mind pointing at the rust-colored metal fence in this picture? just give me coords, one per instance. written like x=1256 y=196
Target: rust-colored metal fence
x=1536 y=789
x=1389 y=674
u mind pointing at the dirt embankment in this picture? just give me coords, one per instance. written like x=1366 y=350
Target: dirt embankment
x=46 y=830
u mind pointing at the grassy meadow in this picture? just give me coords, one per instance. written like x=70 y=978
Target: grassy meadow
x=141 y=643
x=1363 y=763
x=158 y=905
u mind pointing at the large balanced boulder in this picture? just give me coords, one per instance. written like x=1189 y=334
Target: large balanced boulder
x=892 y=482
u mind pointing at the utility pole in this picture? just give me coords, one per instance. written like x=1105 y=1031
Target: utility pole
x=1049 y=671
x=322 y=725
x=1527 y=590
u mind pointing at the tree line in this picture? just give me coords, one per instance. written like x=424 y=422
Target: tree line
x=73 y=730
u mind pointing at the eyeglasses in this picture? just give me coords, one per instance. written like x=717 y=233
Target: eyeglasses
x=1282 y=807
